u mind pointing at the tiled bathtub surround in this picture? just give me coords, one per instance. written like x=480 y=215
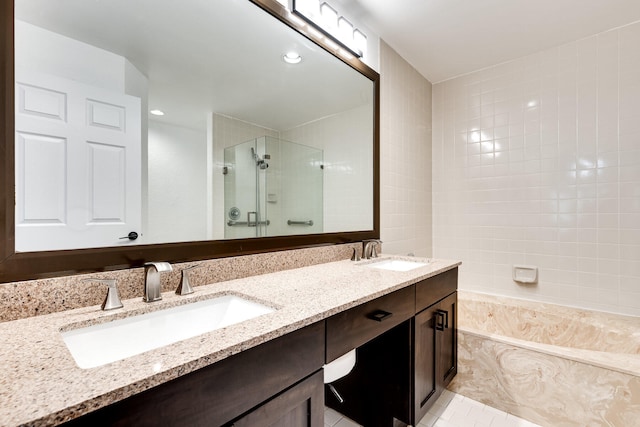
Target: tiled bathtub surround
x=37 y=297
x=552 y=365
x=537 y=161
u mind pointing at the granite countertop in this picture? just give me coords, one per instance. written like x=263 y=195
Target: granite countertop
x=41 y=384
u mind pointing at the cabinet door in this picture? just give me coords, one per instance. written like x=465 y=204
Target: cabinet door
x=435 y=353
x=425 y=362
x=300 y=406
x=447 y=364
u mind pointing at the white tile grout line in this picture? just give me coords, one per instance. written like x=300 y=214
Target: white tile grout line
x=450 y=410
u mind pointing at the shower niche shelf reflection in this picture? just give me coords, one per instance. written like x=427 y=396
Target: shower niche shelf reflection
x=269 y=181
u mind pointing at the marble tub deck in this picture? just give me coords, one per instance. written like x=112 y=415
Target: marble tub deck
x=501 y=364
x=41 y=384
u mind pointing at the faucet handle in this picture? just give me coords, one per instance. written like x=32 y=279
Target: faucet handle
x=184 y=288
x=355 y=256
x=112 y=299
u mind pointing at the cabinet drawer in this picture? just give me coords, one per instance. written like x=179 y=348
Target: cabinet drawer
x=433 y=289
x=356 y=326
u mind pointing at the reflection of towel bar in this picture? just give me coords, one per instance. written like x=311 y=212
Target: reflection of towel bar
x=292 y=222
x=232 y=223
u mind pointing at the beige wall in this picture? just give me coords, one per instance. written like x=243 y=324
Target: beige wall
x=405 y=163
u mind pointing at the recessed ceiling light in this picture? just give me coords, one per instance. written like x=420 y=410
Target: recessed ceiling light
x=292 y=57
x=157 y=112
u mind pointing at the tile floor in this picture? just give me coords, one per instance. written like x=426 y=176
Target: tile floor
x=450 y=410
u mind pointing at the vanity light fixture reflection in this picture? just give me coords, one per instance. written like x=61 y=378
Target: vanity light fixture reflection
x=157 y=112
x=292 y=57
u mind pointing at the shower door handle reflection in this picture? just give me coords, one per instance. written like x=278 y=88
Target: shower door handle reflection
x=305 y=222
x=232 y=223
x=253 y=223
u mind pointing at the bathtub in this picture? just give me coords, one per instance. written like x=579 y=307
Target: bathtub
x=552 y=365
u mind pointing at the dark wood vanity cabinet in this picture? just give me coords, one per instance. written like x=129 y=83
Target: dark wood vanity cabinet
x=406 y=356
x=401 y=372
x=380 y=330
x=279 y=381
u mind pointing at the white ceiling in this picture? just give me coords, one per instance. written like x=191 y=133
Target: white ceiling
x=446 y=38
x=222 y=56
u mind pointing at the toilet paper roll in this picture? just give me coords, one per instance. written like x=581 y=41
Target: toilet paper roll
x=339 y=367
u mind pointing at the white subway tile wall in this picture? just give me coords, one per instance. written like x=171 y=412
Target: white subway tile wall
x=537 y=162
x=405 y=156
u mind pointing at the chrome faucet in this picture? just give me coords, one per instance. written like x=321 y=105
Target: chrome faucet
x=152 y=288
x=370 y=248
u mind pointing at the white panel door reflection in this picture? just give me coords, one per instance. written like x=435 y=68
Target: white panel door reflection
x=78 y=165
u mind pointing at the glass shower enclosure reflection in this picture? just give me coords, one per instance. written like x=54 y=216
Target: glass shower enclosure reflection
x=272 y=187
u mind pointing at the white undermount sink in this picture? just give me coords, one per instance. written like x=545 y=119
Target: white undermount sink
x=396 y=264
x=104 y=343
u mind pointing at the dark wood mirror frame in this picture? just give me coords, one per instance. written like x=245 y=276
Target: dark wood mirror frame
x=33 y=265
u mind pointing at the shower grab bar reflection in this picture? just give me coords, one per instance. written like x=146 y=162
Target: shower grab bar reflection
x=293 y=222
x=232 y=223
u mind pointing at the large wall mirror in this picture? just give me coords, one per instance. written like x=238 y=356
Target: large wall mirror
x=140 y=131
